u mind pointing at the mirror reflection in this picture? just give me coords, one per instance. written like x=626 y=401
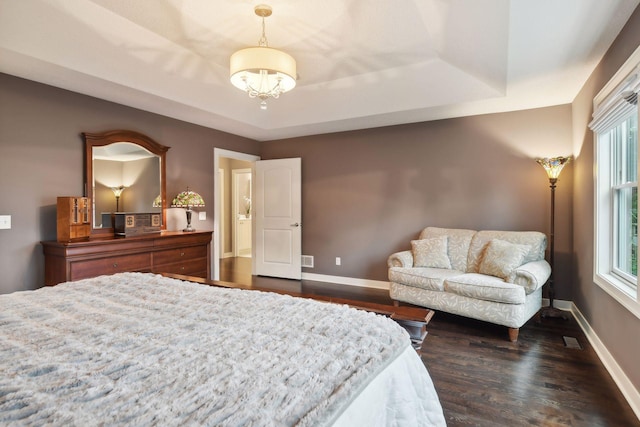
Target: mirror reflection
x=126 y=178
x=125 y=171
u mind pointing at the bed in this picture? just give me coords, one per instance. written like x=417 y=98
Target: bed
x=143 y=349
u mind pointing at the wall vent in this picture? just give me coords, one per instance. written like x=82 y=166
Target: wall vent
x=571 y=342
x=307 y=261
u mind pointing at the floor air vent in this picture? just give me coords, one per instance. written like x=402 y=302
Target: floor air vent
x=571 y=342
x=307 y=261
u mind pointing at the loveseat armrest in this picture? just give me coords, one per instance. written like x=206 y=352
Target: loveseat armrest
x=400 y=259
x=531 y=275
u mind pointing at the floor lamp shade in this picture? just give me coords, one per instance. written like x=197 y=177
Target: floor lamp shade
x=553 y=166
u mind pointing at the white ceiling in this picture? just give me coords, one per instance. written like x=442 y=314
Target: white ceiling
x=361 y=63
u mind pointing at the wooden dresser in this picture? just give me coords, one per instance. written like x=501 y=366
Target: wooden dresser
x=165 y=252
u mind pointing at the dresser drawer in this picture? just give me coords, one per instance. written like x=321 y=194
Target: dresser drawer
x=190 y=267
x=111 y=265
x=170 y=256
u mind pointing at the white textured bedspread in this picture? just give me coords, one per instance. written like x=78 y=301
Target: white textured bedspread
x=142 y=349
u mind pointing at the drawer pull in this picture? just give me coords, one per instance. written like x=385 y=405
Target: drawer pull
x=115 y=265
x=181 y=253
x=182 y=268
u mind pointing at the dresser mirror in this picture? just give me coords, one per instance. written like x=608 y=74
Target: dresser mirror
x=125 y=171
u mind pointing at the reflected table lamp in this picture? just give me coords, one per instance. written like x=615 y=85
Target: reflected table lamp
x=188 y=199
x=117 y=191
x=553 y=166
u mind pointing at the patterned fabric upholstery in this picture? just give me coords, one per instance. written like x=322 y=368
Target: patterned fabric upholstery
x=432 y=278
x=400 y=259
x=486 y=288
x=531 y=276
x=431 y=252
x=510 y=315
x=462 y=290
x=501 y=258
x=534 y=239
x=459 y=241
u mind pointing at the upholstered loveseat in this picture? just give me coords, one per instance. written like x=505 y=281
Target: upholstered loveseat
x=494 y=276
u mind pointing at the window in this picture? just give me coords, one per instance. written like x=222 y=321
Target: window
x=624 y=193
x=615 y=126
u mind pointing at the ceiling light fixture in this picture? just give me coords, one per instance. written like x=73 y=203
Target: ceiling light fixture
x=261 y=71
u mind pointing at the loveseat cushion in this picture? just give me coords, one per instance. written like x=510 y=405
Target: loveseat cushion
x=501 y=258
x=430 y=252
x=536 y=241
x=421 y=277
x=458 y=241
x=487 y=288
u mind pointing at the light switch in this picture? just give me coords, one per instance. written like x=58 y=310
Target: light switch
x=202 y=216
x=5 y=222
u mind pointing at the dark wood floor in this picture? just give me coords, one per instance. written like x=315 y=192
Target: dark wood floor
x=482 y=379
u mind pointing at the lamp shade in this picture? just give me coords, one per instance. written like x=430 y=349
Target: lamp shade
x=118 y=190
x=265 y=70
x=261 y=71
x=553 y=165
x=187 y=199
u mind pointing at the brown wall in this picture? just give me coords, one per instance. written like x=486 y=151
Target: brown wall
x=367 y=193
x=41 y=157
x=617 y=328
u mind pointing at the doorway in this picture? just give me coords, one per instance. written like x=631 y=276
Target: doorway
x=241 y=193
x=233 y=226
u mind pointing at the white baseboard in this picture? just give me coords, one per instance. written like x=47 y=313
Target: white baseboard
x=619 y=377
x=558 y=303
x=227 y=255
x=351 y=281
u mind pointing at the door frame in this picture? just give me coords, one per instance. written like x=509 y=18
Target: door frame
x=217 y=153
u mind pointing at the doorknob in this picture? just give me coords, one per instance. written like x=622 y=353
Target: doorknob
x=296 y=224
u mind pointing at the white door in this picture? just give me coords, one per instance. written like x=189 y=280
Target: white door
x=278 y=217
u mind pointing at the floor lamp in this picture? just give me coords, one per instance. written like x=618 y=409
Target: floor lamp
x=553 y=166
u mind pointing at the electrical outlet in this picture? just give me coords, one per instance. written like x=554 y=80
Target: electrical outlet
x=202 y=216
x=338 y=261
x=5 y=222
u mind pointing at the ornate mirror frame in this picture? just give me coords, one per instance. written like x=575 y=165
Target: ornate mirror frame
x=101 y=139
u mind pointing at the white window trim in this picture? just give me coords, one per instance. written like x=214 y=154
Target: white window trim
x=627 y=77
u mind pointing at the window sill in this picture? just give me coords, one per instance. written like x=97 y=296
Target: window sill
x=619 y=291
